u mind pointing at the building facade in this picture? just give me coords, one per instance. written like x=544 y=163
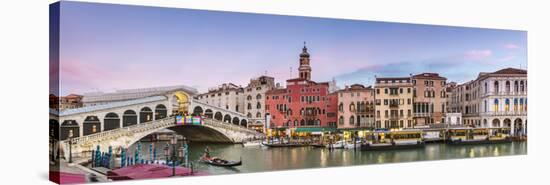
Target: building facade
x=71 y=101
x=497 y=99
x=303 y=103
x=429 y=99
x=394 y=102
x=255 y=98
x=356 y=107
x=227 y=96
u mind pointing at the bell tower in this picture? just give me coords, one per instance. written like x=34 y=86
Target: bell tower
x=305 y=69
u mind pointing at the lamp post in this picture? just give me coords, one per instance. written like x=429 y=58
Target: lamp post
x=166 y=148
x=174 y=141
x=185 y=150
x=71 y=147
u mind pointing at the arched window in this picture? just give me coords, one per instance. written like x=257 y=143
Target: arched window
x=341 y=120
x=352 y=120
x=496 y=87
x=485 y=87
x=249 y=97
x=516 y=86
x=258 y=105
x=249 y=115
x=496 y=105
x=515 y=104
x=341 y=107
x=259 y=96
x=507 y=105
x=521 y=86
x=521 y=104
x=258 y=115
x=507 y=86
x=249 y=106
x=352 y=107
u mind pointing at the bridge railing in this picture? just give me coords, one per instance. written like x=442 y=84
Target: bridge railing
x=229 y=126
x=219 y=108
x=125 y=130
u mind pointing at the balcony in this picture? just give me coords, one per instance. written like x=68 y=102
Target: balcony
x=504 y=93
x=423 y=114
x=504 y=113
x=394 y=105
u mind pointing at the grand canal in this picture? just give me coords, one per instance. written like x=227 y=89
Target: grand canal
x=258 y=159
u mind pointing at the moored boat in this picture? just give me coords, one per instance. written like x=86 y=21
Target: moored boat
x=352 y=145
x=252 y=143
x=336 y=145
x=471 y=136
x=404 y=139
x=284 y=144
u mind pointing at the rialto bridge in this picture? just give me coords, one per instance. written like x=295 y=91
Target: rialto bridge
x=124 y=121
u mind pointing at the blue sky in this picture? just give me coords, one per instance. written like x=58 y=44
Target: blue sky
x=105 y=47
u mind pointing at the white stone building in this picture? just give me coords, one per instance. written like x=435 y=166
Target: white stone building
x=254 y=100
x=227 y=96
x=497 y=99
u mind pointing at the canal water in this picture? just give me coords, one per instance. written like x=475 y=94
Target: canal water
x=258 y=159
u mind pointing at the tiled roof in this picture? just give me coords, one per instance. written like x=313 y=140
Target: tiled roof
x=510 y=71
x=276 y=91
x=429 y=75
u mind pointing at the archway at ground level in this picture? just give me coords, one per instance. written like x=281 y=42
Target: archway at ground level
x=496 y=123
x=507 y=123
x=518 y=126
x=91 y=125
x=129 y=118
x=111 y=121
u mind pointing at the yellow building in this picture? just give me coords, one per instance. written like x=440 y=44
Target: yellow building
x=393 y=102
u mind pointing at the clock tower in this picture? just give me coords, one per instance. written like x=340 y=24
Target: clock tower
x=305 y=69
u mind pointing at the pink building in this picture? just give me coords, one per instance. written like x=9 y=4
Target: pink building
x=356 y=107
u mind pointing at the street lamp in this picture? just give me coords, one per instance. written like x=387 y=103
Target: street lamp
x=185 y=152
x=166 y=148
x=70 y=147
x=174 y=141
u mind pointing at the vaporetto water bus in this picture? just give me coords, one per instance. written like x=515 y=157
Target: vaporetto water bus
x=397 y=139
x=462 y=136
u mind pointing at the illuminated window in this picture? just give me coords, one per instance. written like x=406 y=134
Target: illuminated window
x=496 y=106
x=507 y=105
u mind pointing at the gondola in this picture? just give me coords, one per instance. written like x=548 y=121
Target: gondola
x=220 y=162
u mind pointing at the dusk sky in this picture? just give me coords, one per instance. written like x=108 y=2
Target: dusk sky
x=107 y=47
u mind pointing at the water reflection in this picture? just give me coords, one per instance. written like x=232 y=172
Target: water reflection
x=256 y=159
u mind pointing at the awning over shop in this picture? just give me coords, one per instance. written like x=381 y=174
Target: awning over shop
x=315 y=129
x=355 y=129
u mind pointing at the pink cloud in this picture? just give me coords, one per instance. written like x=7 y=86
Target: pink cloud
x=506 y=59
x=511 y=46
x=478 y=54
